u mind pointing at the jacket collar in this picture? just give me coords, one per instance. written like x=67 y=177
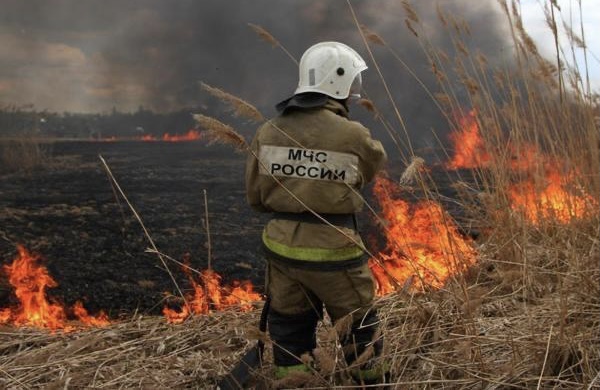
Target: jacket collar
x=336 y=107
x=309 y=100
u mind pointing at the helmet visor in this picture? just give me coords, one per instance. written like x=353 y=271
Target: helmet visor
x=355 y=87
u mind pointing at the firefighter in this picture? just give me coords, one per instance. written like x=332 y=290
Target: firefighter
x=306 y=167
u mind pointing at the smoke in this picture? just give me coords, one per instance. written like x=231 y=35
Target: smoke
x=91 y=56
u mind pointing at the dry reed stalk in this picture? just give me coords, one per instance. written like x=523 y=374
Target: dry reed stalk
x=376 y=39
x=218 y=132
x=411 y=171
x=240 y=107
x=207 y=227
x=410 y=27
x=411 y=14
x=267 y=37
x=139 y=219
x=369 y=106
x=372 y=36
x=551 y=21
x=388 y=92
x=198 y=273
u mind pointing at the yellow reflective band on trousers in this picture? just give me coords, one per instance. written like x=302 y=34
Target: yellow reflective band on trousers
x=283 y=371
x=369 y=374
x=311 y=254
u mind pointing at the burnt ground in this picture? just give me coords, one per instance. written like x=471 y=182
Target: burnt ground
x=92 y=244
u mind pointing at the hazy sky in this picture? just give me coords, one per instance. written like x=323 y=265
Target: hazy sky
x=535 y=23
x=92 y=55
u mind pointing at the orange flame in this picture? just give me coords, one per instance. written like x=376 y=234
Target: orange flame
x=148 y=137
x=82 y=314
x=422 y=242
x=30 y=281
x=550 y=200
x=469 y=148
x=547 y=199
x=210 y=295
x=191 y=135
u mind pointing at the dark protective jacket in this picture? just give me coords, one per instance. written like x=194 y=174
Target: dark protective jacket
x=323 y=159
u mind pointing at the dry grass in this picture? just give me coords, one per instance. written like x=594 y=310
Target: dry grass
x=138 y=353
x=492 y=337
x=24 y=154
x=504 y=332
x=485 y=339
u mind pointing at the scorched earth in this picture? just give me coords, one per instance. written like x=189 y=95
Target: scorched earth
x=93 y=246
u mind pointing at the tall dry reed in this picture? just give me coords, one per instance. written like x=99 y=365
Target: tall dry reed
x=527 y=314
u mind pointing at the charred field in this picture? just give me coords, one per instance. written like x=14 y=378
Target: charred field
x=87 y=236
x=91 y=242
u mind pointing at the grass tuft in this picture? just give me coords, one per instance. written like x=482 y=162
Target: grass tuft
x=23 y=154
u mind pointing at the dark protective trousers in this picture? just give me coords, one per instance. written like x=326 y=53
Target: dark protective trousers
x=297 y=299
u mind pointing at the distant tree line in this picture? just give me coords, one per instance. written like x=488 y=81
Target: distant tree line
x=26 y=120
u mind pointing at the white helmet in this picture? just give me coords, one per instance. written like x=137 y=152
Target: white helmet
x=331 y=68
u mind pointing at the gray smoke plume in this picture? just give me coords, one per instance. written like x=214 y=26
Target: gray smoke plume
x=93 y=55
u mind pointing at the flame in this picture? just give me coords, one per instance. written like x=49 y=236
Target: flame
x=209 y=295
x=550 y=200
x=148 y=137
x=549 y=197
x=82 y=314
x=191 y=135
x=422 y=242
x=30 y=281
x=469 y=148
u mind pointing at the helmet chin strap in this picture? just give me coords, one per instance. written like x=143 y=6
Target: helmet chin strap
x=355 y=88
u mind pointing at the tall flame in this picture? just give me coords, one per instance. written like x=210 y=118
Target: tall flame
x=30 y=281
x=543 y=189
x=469 y=148
x=209 y=295
x=423 y=243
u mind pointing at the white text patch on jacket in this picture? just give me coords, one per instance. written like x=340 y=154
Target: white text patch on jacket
x=313 y=164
